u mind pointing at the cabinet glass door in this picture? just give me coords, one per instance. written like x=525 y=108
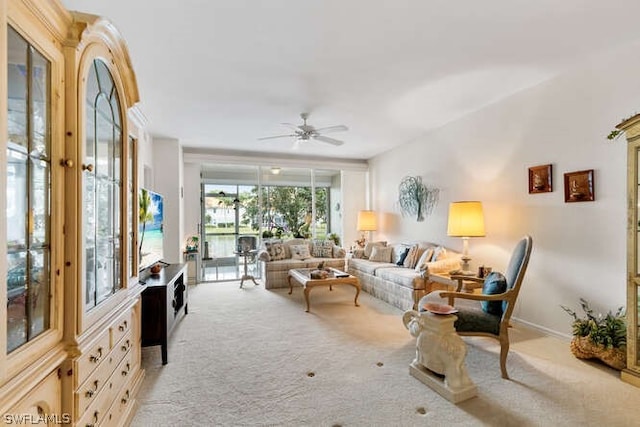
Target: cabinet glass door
x=102 y=187
x=28 y=192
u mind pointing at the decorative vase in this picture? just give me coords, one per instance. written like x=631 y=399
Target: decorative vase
x=584 y=348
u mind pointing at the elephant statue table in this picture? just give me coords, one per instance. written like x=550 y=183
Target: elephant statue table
x=440 y=354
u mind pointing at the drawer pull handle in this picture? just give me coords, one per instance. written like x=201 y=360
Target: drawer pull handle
x=96 y=358
x=125 y=399
x=95 y=420
x=126 y=371
x=91 y=392
x=123 y=326
x=126 y=345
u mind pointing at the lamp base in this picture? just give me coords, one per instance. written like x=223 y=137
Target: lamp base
x=465 y=268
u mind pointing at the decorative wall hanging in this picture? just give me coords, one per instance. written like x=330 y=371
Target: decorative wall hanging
x=578 y=186
x=415 y=198
x=540 y=180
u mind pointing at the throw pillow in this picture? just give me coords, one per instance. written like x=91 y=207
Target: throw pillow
x=381 y=254
x=322 y=248
x=300 y=252
x=403 y=256
x=421 y=265
x=494 y=283
x=439 y=254
x=369 y=247
x=275 y=250
x=412 y=257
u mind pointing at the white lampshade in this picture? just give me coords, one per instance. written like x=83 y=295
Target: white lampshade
x=367 y=221
x=466 y=219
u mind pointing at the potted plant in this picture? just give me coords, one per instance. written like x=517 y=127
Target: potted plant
x=600 y=337
x=335 y=238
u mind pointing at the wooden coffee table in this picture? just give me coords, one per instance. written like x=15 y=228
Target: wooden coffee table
x=336 y=277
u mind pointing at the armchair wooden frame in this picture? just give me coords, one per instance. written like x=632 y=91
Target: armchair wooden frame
x=509 y=296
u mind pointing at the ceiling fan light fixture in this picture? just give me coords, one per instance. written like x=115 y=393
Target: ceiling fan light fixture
x=306 y=132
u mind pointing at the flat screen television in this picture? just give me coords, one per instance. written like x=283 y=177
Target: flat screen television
x=150 y=228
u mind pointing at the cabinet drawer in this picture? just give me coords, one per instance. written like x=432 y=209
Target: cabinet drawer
x=87 y=393
x=121 y=407
x=122 y=373
x=97 y=412
x=90 y=359
x=120 y=327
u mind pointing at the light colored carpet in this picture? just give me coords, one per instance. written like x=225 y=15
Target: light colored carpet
x=252 y=357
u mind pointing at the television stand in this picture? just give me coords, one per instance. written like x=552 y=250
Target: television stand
x=164 y=302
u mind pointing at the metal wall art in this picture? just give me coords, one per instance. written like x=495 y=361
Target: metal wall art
x=579 y=186
x=415 y=198
x=540 y=179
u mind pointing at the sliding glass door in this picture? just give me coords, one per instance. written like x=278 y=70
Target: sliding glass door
x=225 y=219
x=261 y=203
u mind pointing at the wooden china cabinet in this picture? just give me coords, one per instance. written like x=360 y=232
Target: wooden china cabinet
x=71 y=320
x=631 y=127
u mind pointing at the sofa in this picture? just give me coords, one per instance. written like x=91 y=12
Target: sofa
x=277 y=257
x=399 y=273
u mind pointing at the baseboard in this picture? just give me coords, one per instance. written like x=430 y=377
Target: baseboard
x=542 y=329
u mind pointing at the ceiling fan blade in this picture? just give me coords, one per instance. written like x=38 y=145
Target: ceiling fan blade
x=328 y=140
x=290 y=126
x=276 y=136
x=337 y=128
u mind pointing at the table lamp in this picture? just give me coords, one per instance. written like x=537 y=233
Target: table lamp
x=366 y=222
x=465 y=220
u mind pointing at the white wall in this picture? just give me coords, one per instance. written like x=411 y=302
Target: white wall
x=191 y=200
x=145 y=160
x=354 y=198
x=579 y=249
x=168 y=170
x=335 y=209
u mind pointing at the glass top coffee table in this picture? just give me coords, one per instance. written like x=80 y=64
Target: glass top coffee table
x=334 y=277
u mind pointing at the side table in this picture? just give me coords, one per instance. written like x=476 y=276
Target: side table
x=440 y=354
x=192 y=259
x=468 y=284
x=246 y=275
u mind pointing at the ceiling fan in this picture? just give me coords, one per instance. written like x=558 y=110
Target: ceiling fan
x=306 y=132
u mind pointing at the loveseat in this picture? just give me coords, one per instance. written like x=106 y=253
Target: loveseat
x=399 y=273
x=277 y=257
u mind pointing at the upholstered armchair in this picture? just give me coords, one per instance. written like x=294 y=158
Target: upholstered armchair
x=488 y=314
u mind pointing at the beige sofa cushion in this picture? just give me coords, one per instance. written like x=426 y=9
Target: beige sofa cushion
x=300 y=251
x=368 y=248
x=426 y=256
x=275 y=250
x=381 y=254
x=405 y=277
x=292 y=242
x=322 y=248
x=368 y=266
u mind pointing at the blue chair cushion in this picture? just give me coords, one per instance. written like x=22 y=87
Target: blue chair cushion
x=494 y=283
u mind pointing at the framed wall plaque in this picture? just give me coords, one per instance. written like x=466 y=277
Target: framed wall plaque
x=578 y=186
x=540 y=179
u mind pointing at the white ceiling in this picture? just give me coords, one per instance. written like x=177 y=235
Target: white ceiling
x=221 y=73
